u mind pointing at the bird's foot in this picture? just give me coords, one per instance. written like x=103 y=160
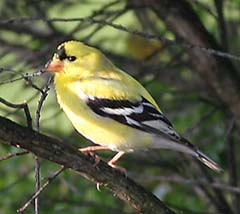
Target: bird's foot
x=89 y=151
x=119 y=168
x=98 y=186
x=113 y=161
x=92 y=149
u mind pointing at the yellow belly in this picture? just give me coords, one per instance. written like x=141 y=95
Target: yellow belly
x=100 y=130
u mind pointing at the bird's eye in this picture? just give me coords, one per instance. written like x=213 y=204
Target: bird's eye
x=71 y=58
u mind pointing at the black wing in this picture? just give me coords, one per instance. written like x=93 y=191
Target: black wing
x=141 y=115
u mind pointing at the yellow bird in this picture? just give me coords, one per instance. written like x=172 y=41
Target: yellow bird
x=111 y=108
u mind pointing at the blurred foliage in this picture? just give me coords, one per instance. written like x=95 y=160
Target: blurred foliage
x=164 y=70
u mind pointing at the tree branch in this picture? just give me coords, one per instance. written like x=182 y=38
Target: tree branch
x=90 y=168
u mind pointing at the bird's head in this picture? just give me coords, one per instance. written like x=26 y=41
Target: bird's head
x=71 y=57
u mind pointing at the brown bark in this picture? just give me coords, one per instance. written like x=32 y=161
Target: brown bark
x=92 y=169
x=219 y=73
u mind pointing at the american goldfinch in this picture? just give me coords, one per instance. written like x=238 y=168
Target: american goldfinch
x=109 y=107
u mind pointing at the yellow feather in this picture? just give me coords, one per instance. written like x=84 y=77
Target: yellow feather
x=103 y=131
x=84 y=73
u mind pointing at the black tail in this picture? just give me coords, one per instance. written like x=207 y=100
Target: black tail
x=208 y=162
x=202 y=157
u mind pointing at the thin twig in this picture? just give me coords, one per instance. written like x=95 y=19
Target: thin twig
x=125 y=29
x=23 y=106
x=99 y=27
x=6 y=69
x=38 y=192
x=14 y=154
x=221 y=23
x=95 y=13
x=37 y=184
x=44 y=93
x=204 y=7
x=232 y=163
x=10 y=81
x=28 y=78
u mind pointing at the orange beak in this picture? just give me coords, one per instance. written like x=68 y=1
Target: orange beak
x=54 y=65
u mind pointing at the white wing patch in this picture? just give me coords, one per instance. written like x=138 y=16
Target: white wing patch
x=132 y=122
x=123 y=111
x=140 y=114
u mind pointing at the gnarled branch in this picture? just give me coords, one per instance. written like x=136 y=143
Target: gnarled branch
x=89 y=167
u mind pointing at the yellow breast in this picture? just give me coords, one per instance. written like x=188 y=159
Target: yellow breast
x=100 y=130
